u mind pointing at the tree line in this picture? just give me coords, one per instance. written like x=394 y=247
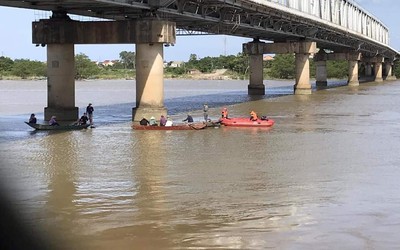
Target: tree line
x=237 y=66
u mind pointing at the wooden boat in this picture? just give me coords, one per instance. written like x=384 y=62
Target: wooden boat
x=188 y=126
x=212 y=124
x=60 y=127
x=246 y=122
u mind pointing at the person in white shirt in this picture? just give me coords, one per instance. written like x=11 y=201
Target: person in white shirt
x=169 y=122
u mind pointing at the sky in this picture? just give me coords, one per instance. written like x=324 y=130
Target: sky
x=16 y=38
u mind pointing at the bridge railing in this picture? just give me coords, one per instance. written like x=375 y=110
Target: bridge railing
x=344 y=13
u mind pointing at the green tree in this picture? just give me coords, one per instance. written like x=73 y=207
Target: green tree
x=84 y=67
x=193 y=62
x=206 y=64
x=128 y=59
x=337 y=69
x=25 y=68
x=192 y=58
x=396 y=69
x=283 y=66
x=6 y=65
x=239 y=63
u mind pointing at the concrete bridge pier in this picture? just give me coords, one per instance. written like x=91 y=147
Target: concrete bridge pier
x=302 y=85
x=255 y=50
x=61 y=83
x=389 y=70
x=256 y=85
x=378 y=69
x=303 y=50
x=353 y=59
x=149 y=81
x=321 y=74
x=60 y=33
x=368 y=69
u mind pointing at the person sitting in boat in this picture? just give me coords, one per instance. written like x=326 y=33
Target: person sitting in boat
x=32 y=119
x=189 y=119
x=53 y=121
x=163 y=120
x=144 y=122
x=253 y=116
x=83 y=120
x=153 y=121
x=224 y=113
x=169 y=122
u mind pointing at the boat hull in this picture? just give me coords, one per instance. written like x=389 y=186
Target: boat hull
x=60 y=127
x=193 y=126
x=246 y=122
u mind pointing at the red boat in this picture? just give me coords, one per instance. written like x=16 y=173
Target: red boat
x=246 y=122
x=189 y=126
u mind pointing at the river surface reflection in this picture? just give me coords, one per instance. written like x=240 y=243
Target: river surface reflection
x=324 y=177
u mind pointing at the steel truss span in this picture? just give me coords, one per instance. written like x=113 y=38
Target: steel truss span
x=336 y=25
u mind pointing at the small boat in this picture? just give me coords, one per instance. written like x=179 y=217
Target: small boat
x=60 y=127
x=212 y=124
x=246 y=122
x=188 y=126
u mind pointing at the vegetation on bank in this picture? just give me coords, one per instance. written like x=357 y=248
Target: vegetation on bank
x=235 y=67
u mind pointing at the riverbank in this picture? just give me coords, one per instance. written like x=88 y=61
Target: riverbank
x=219 y=74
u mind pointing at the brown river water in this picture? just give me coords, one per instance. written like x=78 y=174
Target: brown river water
x=326 y=176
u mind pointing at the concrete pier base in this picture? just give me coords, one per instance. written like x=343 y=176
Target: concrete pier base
x=321 y=84
x=256 y=89
x=302 y=91
x=353 y=73
x=62 y=114
x=389 y=71
x=391 y=78
x=139 y=113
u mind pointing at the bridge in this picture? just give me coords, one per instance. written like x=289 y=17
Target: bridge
x=319 y=29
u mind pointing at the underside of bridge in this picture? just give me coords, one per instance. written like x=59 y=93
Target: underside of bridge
x=231 y=17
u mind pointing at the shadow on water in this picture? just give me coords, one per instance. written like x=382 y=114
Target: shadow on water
x=13 y=127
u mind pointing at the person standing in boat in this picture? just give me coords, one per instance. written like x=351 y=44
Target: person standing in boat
x=189 y=119
x=32 y=119
x=253 y=116
x=53 y=121
x=205 y=112
x=163 y=120
x=89 y=112
x=224 y=113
